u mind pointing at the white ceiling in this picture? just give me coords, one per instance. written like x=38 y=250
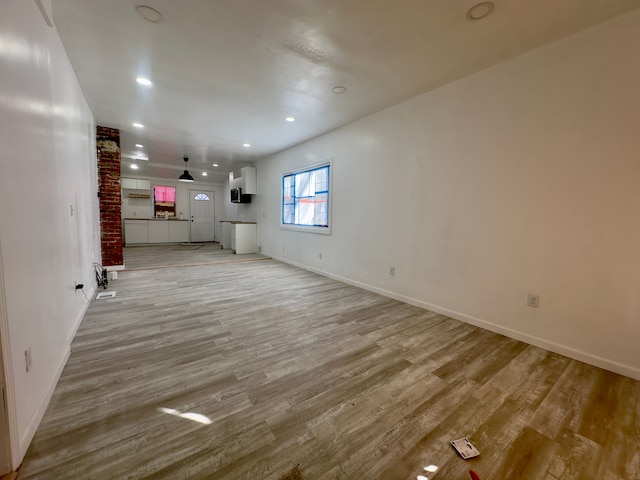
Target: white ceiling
x=226 y=72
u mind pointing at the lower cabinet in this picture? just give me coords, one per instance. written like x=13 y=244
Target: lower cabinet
x=178 y=231
x=138 y=232
x=244 y=237
x=159 y=231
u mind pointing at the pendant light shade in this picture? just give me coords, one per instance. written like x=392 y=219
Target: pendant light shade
x=186 y=176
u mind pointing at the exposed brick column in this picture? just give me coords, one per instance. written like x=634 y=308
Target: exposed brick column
x=108 y=142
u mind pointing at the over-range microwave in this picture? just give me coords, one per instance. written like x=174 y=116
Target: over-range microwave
x=238 y=197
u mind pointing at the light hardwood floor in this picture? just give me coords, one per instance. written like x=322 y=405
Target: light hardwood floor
x=292 y=368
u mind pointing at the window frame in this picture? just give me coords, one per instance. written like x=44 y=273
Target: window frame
x=308 y=228
x=158 y=208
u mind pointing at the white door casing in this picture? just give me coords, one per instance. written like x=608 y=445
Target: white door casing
x=201 y=215
x=8 y=437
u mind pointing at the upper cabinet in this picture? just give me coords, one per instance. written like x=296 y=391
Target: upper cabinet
x=247 y=181
x=135 y=184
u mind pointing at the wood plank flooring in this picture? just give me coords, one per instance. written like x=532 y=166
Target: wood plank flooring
x=244 y=369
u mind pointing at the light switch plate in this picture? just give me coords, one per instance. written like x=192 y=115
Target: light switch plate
x=465 y=448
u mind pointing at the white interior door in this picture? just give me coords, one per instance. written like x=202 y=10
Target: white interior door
x=202 y=215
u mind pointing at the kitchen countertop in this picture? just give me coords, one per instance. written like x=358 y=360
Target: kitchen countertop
x=158 y=219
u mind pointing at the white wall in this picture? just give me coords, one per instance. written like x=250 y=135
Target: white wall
x=47 y=167
x=523 y=178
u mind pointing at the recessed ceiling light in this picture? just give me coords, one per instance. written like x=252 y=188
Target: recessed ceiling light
x=138 y=125
x=216 y=165
x=134 y=166
x=139 y=145
x=204 y=174
x=144 y=81
x=149 y=14
x=480 y=11
x=246 y=145
x=339 y=89
x=290 y=119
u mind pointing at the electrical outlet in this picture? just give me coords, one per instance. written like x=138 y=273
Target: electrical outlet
x=320 y=255
x=392 y=270
x=533 y=300
x=259 y=248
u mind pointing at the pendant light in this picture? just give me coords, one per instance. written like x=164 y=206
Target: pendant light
x=186 y=176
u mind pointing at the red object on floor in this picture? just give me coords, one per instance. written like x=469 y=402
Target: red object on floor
x=474 y=475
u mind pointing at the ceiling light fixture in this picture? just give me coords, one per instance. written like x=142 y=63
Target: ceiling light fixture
x=149 y=14
x=139 y=145
x=216 y=165
x=339 y=89
x=134 y=166
x=290 y=119
x=246 y=145
x=138 y=125
x=480 y=11
x=186 y=176
x=204 y=174
x=144 y=81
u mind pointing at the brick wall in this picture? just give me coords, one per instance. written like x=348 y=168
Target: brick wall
x=108 y=142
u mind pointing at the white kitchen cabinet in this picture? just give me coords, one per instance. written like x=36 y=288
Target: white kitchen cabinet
x=135 y=184
x=244 y=237
x=249 y=180
x=178 y=231
x=136 y=232
x=146 y=231
x=158 y=231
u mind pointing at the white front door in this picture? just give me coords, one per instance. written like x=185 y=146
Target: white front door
x=202 y=216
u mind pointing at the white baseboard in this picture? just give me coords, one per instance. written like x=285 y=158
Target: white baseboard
x=622 y=369
x=80 y=316
x=32 y=426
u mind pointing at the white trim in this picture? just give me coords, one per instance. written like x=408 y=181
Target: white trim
x=80 y=317
x=35 y=420
x=114 y=268
x=613 y=366
x=11 y=436
x=308 y=228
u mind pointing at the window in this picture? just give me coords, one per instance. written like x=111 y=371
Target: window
x=164 y=201
x=202 y=197
x=305 y=199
